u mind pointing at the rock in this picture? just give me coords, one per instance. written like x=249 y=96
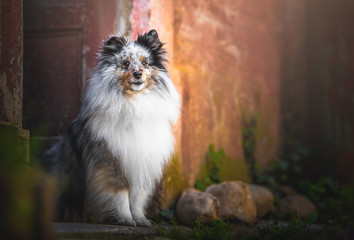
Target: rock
x=296 y=205
x=287 y=191
x=193 y=204
x=235 y=201
x=263 y=198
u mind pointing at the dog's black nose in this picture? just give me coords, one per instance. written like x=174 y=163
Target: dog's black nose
x=137 y=74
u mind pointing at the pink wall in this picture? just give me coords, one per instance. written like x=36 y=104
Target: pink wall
x=226 y=65
x=229 y=64
x=238 y=60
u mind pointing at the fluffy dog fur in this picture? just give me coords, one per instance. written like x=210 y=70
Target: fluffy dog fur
x=114 y=152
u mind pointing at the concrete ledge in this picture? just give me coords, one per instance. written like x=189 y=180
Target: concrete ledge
x=100 y=231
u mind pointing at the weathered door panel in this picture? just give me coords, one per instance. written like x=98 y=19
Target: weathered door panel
x=61 y=39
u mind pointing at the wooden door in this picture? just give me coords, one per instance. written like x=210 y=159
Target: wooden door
x=61 y=38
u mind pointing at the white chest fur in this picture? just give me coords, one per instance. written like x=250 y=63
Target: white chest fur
x=138 y=133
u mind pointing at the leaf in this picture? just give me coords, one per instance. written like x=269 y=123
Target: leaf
x=200 y=185
x=312 y=217
x=283 y=165
x=169 y=214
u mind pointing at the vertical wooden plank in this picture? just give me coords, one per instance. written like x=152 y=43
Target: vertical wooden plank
x=11 y=62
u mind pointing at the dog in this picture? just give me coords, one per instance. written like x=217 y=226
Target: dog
x=113 y=154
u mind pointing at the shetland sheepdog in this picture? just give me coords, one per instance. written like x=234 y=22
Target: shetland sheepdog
x=113 y=154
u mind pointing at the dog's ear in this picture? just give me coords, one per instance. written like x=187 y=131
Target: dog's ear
x=113 y=45
x=153 y=34
x=150 y=41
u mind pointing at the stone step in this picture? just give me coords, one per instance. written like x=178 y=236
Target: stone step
x=71 y=231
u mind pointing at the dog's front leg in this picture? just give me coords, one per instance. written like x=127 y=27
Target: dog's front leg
x=123 y=214
x=138 y=198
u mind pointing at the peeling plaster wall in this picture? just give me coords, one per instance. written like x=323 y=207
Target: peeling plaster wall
x=226 y=62
x=140 y=17
x=124 y=12
x=228 y=55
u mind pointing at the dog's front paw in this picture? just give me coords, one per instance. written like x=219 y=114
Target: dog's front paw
x=127 y=222
x=143 y=222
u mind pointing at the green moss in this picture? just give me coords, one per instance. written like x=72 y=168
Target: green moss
x=174 y=181
x=210 y=173
x=263 y=128
x=14 y=144
x=217 y=229
x=234 y=169
x=219 y=167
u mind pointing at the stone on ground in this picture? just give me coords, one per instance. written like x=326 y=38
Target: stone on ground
x=193 y=204
x=263 y=198
x=235 y=201
x=297 y=205
x=287 y=191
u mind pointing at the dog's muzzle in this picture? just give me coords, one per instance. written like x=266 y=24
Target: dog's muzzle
x=138 y=81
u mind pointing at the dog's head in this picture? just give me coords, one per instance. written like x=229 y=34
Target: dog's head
x=136 y=64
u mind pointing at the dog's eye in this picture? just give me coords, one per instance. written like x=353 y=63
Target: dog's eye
x=145 y=64
x=126 y=64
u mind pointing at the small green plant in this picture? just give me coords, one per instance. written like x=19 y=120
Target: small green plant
x=214 y=163
x=218 y=229
x=286 y=170
x=295 y=229
x=170 y=214
x=249 y=144
x=334 y=202
x=172 y=231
